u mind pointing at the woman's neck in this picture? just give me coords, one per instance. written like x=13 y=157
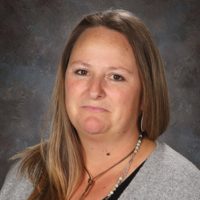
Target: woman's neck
x=102 y=151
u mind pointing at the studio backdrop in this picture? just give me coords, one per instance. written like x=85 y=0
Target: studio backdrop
x=33 y=34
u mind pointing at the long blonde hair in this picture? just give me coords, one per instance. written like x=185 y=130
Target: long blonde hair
x=56 y=166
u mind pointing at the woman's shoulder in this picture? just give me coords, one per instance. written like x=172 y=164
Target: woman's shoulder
x=172 y=166
x=167 y=158
x=16 y=186
x=166 y=174
x=173 y=172
x=28 y=169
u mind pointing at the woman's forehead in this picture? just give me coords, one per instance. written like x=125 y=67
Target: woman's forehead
x=103 y=46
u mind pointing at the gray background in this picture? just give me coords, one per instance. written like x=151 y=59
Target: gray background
x=32 y=36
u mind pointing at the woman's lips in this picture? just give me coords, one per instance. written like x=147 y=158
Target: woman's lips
x=95 y=109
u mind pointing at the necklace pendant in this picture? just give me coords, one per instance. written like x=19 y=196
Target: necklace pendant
x=89 y=186
x=90 y=181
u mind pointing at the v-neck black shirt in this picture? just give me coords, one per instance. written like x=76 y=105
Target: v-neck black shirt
x=124 y=185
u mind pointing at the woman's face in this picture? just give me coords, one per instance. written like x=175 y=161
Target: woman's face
x=102 y=84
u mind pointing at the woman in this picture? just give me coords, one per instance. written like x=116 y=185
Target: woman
x=110 y=105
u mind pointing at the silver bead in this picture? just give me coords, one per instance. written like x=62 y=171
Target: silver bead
x=111 y=192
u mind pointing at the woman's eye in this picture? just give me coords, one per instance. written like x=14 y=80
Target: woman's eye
x=117 y=77
x=81 y=72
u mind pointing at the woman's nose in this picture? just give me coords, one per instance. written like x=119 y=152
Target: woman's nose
x=96 y=89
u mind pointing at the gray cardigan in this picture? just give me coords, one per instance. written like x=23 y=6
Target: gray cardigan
x=166 y=175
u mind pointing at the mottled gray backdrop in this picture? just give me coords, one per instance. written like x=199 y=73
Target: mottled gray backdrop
x=32 y=36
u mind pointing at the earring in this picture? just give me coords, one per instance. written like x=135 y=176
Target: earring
x=141 y=123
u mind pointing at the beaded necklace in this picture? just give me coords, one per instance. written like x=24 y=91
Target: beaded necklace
x=91 y=180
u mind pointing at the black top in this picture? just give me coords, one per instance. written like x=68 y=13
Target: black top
x=124 y=185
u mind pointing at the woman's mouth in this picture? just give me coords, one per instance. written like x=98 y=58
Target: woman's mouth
x=94 y=108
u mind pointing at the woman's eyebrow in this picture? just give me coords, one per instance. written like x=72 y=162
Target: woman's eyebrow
x=79 y=62
x=121 y=68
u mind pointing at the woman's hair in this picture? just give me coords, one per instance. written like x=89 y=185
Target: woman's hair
x=56 y=166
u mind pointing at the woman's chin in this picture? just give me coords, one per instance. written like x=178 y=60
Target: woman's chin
x=93 y=126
